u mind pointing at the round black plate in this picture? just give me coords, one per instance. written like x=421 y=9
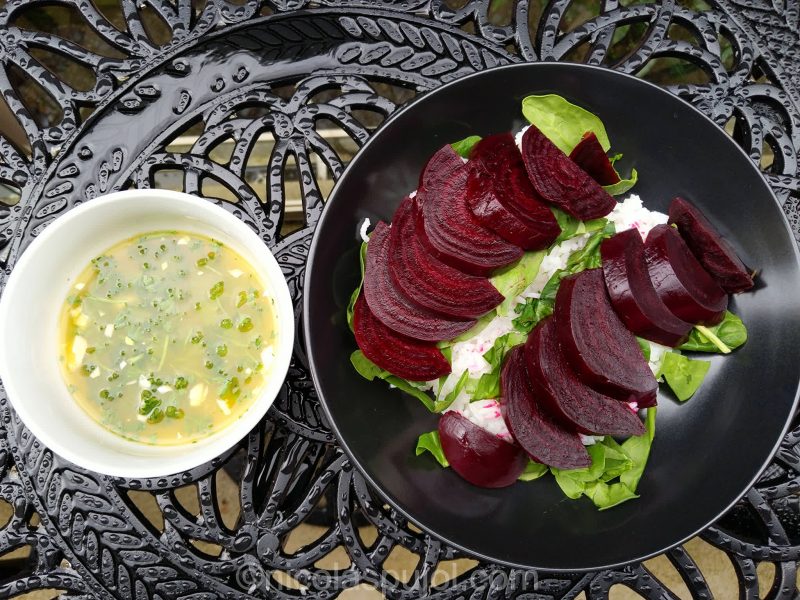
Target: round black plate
x=707 y=452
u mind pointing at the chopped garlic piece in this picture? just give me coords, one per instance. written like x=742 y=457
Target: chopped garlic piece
x=143 y=382
x=199 y=272
x=163 y=389
x=142 y=418
x=236 y=273
x=267 y=356
x=123 y=364
x=164 y=266
x=223 y=406
x=79 y=345
x=95 y=374
x=128 y=341
x=109 y=330
x=183 y=241
x=197 y=394
x=81 y=320
x=80 y=286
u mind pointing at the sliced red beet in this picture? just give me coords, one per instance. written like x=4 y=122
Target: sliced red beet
x=590 y=156
x=392 y=307
x=502 y=198
x=558 y=180
x=602 y=351
x=569 y=398
x=680 y=280
x=632 y=293
x=453 y=233
x=440 y=167
x=713 y=251
x=427 y=280
x=478 y=456
x=544 y=440
x=401 y=356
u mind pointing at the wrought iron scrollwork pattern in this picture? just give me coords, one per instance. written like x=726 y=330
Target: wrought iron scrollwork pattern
x=247 y=81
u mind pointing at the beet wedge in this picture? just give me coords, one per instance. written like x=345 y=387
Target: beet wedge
x=680 y=280
x=712 y=250
x=590 y=156
x=601 y=350
x=428 y=281
x=392 y=307
x=633 y=295
x=558 y=180
x=544 y=440
x=566 y=396
x=478 y=456
x=439 y=168
x=450 y=230
x=502 y=198
x=401 y=356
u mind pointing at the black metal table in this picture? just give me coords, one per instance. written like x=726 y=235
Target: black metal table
x=232 y=71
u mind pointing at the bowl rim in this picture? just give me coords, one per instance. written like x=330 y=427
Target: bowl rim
x=206 y=449
x=307 y=309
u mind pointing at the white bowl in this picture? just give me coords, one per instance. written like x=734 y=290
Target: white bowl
x=32 y=300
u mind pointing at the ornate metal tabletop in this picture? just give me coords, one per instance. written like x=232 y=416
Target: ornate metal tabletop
x=308 y=77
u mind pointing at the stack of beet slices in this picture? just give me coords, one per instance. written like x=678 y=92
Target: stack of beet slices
x=581 y=370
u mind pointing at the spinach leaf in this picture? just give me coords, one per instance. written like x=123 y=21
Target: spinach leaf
x=441 y=405
x=430 y=442
x=683 y=374
x=369 y=371
x=644 y=346
x=728 y=335
x=357 y=291
x=533 y=471
x=512 y=281
x=610 y=461
x=623 y=185
x=534 y=310
x=563 y=122
x=638 y=450
x=568 y=223
x=488 y=385
x=464 y=147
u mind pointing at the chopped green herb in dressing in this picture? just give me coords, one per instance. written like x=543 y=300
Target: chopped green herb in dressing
x=167 y=337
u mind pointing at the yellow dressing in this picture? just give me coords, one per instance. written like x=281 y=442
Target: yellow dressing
x=167 y=337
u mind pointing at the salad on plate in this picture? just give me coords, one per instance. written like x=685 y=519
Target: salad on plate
x=537 y=314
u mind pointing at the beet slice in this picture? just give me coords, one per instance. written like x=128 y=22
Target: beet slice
x=680 y=280
x=440 y=167
x=502 y=198
x=400 y=355
x=452 y=232
x=478 y=456
x=632 y=293
x=392 y=307
x=597 y=344
x=428 y=281
x=569 y=398
x=560 y=181
x=590 y=156
x=544 y=440
x=713 y=251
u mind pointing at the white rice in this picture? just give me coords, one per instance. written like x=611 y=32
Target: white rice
x=468 y=355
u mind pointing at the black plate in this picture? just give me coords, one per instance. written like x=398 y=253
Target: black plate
x=706 y=453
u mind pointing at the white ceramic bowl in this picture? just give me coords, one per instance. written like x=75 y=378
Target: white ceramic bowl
x=29 y=310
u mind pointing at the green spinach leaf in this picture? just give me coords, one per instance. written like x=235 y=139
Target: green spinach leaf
x=644 y=346
x=488 y=385
x=464 y=147
x=512 y=280
x=728 y=335
x=563 y=122
x=683 y=374
x=533 y=471
x=369 y=371
x=623 y=185
x=638 y=450
x=357 y=291
x=430 y=442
